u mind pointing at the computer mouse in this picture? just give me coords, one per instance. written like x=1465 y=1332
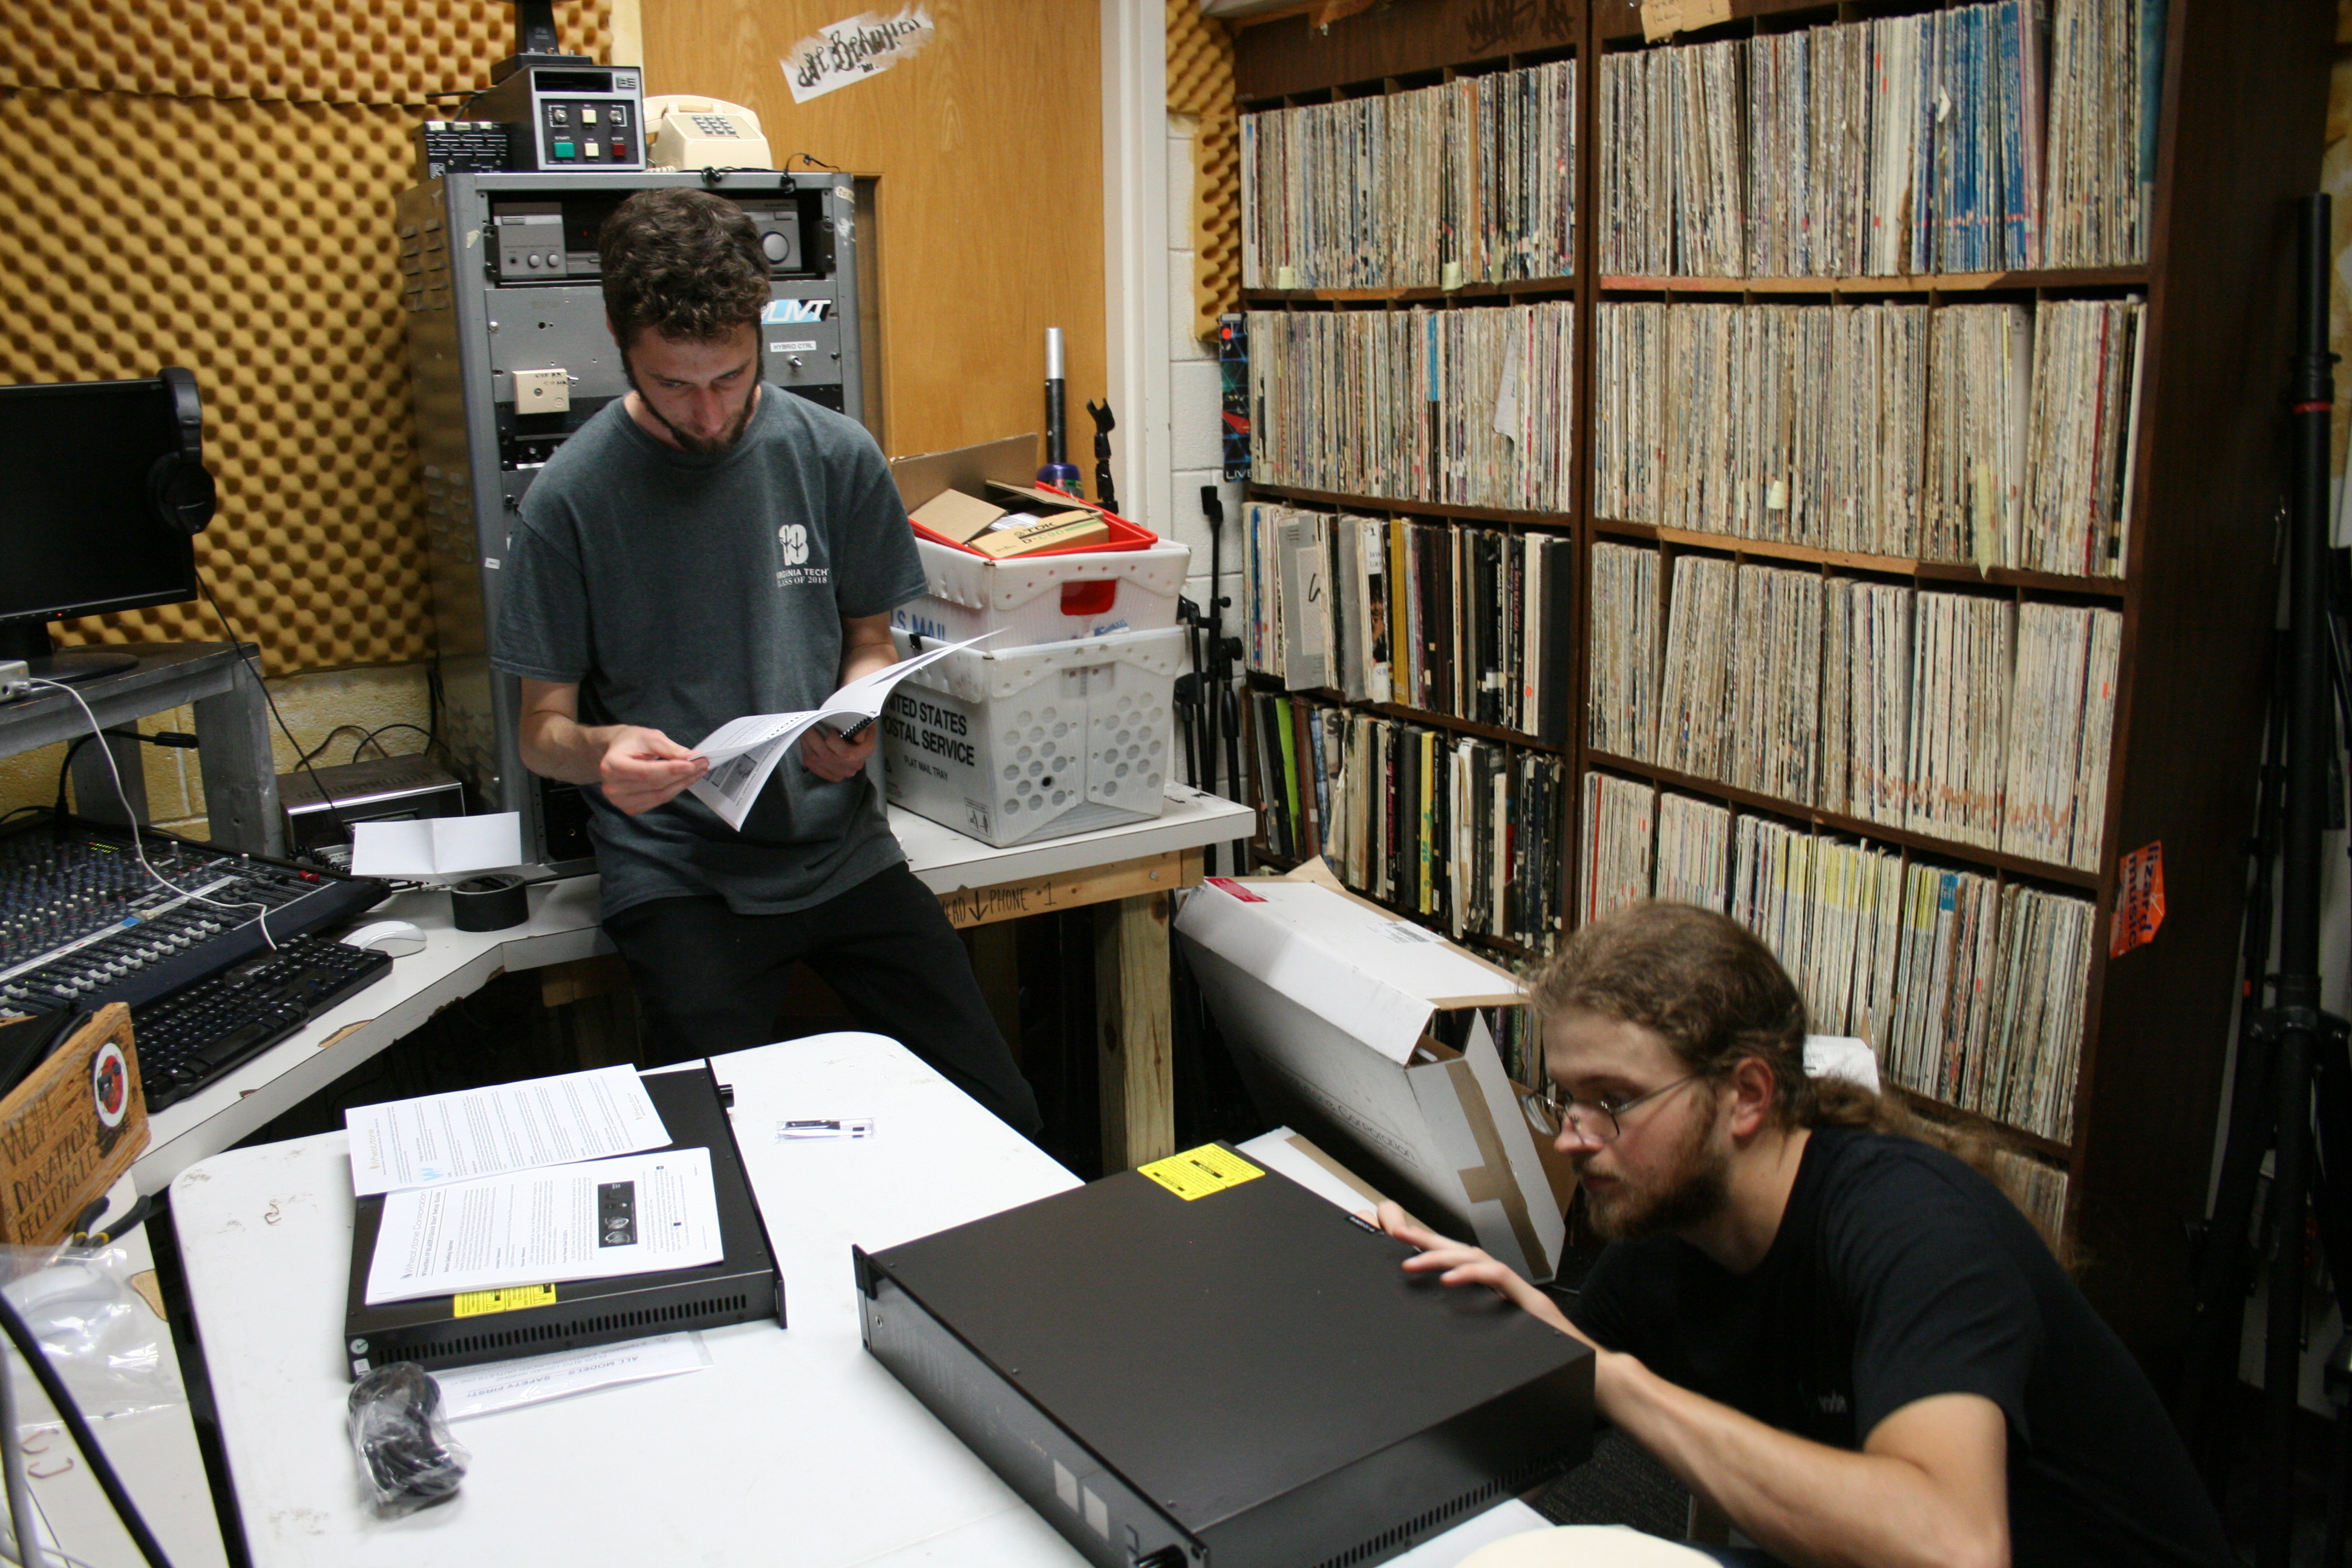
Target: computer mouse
x=395 y=938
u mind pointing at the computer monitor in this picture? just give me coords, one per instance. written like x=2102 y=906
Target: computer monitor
x=79 y=534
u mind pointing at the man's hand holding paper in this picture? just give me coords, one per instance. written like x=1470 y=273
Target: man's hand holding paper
x=742 y=752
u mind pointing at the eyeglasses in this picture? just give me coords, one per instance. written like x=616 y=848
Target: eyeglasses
x=1600 y=1120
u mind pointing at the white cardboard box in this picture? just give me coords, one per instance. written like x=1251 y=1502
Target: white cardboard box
x=1327 y=1001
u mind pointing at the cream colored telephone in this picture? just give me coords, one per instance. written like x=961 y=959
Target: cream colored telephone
x=683 y=132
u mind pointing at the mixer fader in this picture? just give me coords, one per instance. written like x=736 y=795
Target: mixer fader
x=82 y=924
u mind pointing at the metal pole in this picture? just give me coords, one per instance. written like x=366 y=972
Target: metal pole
x=2309 y=735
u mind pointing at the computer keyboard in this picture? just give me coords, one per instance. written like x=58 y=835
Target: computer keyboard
x=189 y=1039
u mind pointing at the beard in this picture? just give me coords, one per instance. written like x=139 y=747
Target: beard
x=703 y=445
x=1693 y=1187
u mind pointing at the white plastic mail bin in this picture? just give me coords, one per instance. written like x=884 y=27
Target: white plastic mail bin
x=1035 y=741
x=1045 y=598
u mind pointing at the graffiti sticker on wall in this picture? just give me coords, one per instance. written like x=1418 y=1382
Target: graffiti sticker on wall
x=846 y=52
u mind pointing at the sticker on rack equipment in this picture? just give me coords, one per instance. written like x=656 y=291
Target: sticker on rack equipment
x=1197 y=1172
x=475 y=1304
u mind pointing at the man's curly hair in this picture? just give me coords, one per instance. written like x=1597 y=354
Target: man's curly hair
x=686 y=263
x=1712 y=990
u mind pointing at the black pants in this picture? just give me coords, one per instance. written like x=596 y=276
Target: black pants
x=710 y=980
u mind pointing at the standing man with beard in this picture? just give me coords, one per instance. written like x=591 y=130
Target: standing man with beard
x=1850 y=1344
x=709 y=547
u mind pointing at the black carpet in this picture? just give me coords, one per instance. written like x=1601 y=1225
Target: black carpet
x=1619 y=1485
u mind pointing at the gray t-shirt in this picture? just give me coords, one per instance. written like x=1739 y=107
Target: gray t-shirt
x=680 y=591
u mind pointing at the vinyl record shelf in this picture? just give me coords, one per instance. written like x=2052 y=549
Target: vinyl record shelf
x=2238 y=138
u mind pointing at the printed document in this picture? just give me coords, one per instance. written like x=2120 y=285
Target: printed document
x=443 y=1138
x=479 y=1390
x=640 y=1213
x=744 y=752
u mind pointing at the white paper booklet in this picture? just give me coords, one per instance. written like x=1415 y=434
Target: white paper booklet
x=744 y=752
x=438 y=845
x=637 y=1214
x=443 y=1138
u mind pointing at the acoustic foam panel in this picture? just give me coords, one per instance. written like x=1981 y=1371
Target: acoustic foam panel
x=1201 y=83
x=212 y=186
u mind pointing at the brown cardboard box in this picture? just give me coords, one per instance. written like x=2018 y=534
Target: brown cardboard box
x=952 y=514
x=1036 y=496
x=1059 y=532
x=1327 y=1002
x=69 y=1132
x=970 y=469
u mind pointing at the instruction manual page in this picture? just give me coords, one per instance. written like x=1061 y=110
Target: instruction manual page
x=640 y=1213
x=744 y=752
x=441 y=1138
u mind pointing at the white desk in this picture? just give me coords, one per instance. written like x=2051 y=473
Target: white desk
x=1127 y=870
x=796 y=1448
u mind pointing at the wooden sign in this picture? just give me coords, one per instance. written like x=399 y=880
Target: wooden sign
x=69 y=1132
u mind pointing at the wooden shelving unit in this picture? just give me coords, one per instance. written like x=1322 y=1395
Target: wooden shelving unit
x=2239 y=138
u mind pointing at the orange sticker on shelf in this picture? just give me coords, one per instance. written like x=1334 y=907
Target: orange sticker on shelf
x=2139 y=899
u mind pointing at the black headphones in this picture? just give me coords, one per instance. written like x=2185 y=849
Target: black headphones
x=179 y=487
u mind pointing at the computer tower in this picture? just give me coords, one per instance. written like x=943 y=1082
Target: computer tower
x=509 y=355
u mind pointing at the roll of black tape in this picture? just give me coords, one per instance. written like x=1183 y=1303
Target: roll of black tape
x=489 y=904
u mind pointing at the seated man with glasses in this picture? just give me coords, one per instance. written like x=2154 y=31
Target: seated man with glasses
x=1850 y=1342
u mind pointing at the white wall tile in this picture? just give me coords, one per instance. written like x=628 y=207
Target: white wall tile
x=1196 y=588
x=1193 y=528
x=1182 y=344
x=1196 y=398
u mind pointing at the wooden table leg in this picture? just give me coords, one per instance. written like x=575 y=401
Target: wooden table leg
x=1132 y=1027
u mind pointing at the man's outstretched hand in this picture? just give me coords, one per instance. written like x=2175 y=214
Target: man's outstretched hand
x=1458 y=1263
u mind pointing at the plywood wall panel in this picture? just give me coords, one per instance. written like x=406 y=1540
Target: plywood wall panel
x=989 y=146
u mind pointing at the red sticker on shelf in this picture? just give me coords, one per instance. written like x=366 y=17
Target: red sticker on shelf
x=2139 y=899
x=1237 y=889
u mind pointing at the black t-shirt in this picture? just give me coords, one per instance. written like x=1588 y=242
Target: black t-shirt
x=1899 y=1273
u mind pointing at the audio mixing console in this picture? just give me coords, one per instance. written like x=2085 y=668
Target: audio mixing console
x=82 y=924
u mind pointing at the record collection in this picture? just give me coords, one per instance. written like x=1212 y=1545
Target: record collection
x=1969 y=989
x=1461 y=832
x=1985 y=435
x=1455 y=618
x=1472 y=406
x=1620 y=681
x=1872 y=700
x=1978 y=139
x=1473 y=181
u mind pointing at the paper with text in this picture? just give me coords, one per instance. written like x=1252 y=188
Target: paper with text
x=640 y=1213
x=479 y=1390
x=443 y=1138
x=744 y=752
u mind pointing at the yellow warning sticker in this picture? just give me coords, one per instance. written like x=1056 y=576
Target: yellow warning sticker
x=474 y=1304
x=1197 y=1172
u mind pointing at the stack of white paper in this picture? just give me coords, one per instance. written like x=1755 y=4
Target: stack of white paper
x=529 y=1183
